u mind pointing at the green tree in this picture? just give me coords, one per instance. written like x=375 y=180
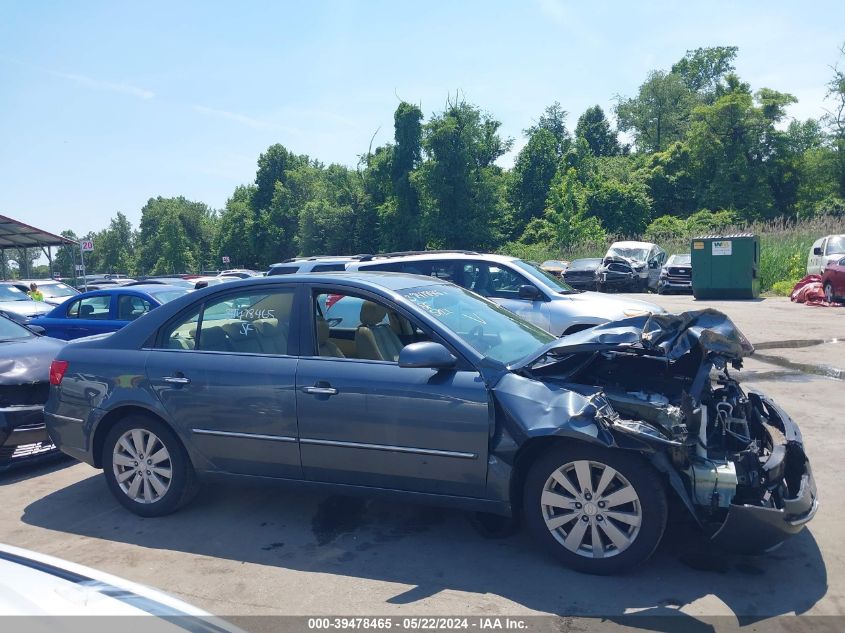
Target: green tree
x=623 y=208
x=175 y=256
x=233 y=238
x=659 y=115
x=671 y=184
x=197 y=224
x=565 y=213
x=403 y=230
x=703 y=69
x=594 y=128
x=462 y=187
x=116 y=246
x=553 y=120
x=531 y=178
x=66 y=256
x=835 y=118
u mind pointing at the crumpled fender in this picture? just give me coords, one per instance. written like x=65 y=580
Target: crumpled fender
x=533 y=408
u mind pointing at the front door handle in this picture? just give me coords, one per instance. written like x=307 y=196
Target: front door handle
x=320 y=391
x=178 y=380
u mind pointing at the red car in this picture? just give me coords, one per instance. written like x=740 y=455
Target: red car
x=833 y=281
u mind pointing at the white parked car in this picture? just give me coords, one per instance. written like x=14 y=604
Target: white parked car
x=825 y=249
x=33 y=584
x=519 y=286
x=644 y=258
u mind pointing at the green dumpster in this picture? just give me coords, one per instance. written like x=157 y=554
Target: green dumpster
x=726 y=266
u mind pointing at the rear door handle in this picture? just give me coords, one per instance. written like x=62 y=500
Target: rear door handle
x=178 y=380
x=320 y=391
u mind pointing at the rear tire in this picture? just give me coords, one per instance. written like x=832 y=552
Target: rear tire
x=598 y=511
x=147 y=468
x=828 y=293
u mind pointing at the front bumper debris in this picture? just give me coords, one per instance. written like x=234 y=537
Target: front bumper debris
x=752 y=529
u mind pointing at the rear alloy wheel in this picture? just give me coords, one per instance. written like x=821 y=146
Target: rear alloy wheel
x=146 y=467
x=828 y=292
x=599 y=511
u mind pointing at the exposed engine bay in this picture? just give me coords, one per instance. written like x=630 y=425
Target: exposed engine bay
x=662 y=385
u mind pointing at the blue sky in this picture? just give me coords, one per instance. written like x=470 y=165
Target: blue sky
x=106 y=104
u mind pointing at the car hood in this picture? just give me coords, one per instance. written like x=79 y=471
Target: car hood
x=28 y=308
x=667 y=335
x=605 y=306
x=28 y=360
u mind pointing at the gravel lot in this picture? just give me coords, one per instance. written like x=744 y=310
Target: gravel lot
x=244 y=549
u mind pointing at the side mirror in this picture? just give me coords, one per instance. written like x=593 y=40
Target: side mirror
x=527 y=291
x=426 y=355
x=36 y=329
x=817 y=250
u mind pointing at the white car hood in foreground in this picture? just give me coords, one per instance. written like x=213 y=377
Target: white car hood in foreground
x=33 y=584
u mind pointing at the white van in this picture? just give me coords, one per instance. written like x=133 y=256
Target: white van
x=825 y=249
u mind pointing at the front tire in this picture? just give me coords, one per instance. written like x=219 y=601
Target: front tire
x=599 y=511
x=146 y=467
x=828 y=293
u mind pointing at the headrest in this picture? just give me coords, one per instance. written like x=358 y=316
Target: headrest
x=372 y=313
x=322 y=331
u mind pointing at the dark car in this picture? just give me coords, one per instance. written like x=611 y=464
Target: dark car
x=581 y=273
x=676 y=275
x=833 y=280
x=24 y=385
x=105 y=310
x=617 y=274
x=439 y=395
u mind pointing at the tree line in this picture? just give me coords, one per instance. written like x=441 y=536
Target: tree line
x=695 y=146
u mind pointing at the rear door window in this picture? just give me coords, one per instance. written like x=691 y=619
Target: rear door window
x=94 y=308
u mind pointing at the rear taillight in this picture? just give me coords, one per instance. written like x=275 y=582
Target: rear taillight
x=57 y=371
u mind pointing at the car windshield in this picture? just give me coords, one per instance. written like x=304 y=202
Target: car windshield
x=53 y=291
x=11 y=331
x=10 y=293
x=490 y=330
x=167 y=295
x=555 y=282
x=638 y=254
x=679 y=260
x=835 y=244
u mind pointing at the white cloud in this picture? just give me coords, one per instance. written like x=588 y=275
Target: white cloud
x=233 y=116
x=109 y=86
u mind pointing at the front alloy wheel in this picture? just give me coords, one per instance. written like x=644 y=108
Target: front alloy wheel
x=598 y=510
x=828 y=293
x=595 y=520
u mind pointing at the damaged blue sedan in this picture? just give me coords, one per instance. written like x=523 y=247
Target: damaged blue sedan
x=409 y=386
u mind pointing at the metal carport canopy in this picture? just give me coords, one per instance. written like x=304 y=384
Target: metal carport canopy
x=15 y=234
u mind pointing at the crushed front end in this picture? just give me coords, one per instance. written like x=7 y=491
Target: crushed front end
x=23 y=433
x=662 y=386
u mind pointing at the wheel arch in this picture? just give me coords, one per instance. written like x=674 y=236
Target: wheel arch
x=113 y=417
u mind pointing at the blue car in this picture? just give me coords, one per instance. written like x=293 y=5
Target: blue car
x=107 y=310
x=414 y=388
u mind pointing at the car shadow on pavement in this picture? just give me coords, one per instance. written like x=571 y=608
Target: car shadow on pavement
x=32 y=470
x=432 y=550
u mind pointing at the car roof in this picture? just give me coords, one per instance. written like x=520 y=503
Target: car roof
x=140 y=290
x=440 y=257
x=376 y=279
x=633 y=244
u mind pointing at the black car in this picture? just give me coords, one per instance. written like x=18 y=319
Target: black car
x=25 y=359
x=426 y=391
x=617 y=274
x=676 y=275
x=582 y=273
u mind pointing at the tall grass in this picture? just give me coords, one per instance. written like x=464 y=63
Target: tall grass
x=784 y=247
